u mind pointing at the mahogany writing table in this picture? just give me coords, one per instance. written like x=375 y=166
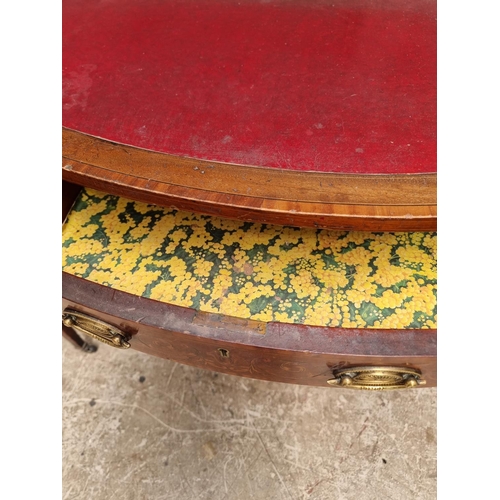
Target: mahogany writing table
x=260 y=185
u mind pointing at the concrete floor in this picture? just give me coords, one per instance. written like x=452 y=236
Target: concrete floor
x=139 y=427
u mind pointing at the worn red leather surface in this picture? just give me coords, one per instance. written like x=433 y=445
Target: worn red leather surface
x=334 y=86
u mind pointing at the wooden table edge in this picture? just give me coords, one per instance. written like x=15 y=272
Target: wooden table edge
x=406 y=202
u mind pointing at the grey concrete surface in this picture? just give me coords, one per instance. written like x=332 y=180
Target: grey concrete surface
x=138 y=427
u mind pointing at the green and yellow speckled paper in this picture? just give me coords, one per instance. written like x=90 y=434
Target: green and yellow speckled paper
x=254 y=271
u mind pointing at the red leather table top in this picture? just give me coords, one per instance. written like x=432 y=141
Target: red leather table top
x=344 y=86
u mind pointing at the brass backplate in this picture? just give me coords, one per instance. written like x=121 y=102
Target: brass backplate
x=95 y=328
x=376 y=378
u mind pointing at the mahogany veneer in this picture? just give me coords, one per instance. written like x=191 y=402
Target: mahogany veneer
x=303 y=113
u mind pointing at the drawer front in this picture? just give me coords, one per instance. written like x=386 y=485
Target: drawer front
x=278 y=352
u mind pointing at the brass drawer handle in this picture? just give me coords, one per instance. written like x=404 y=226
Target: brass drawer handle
x=376 y=378
x=95 y=328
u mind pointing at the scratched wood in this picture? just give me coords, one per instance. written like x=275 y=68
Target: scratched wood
x=296 y=354
x=366 y=174
x=304 y=199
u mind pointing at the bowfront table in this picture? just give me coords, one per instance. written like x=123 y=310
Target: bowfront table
x=250 y=186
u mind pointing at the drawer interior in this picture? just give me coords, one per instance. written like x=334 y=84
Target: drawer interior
x=262 y=272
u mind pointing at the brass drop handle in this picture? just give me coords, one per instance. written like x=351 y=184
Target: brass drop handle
x=376 y=378
x=95 y=328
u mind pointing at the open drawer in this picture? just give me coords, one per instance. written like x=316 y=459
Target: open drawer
x=307 y=306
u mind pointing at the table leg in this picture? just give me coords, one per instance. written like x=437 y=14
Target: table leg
x=75 y=339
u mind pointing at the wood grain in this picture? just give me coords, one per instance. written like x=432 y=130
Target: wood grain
x=304 y=199
x=274 y=351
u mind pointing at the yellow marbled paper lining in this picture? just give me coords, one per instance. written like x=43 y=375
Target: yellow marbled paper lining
x=255 y=271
